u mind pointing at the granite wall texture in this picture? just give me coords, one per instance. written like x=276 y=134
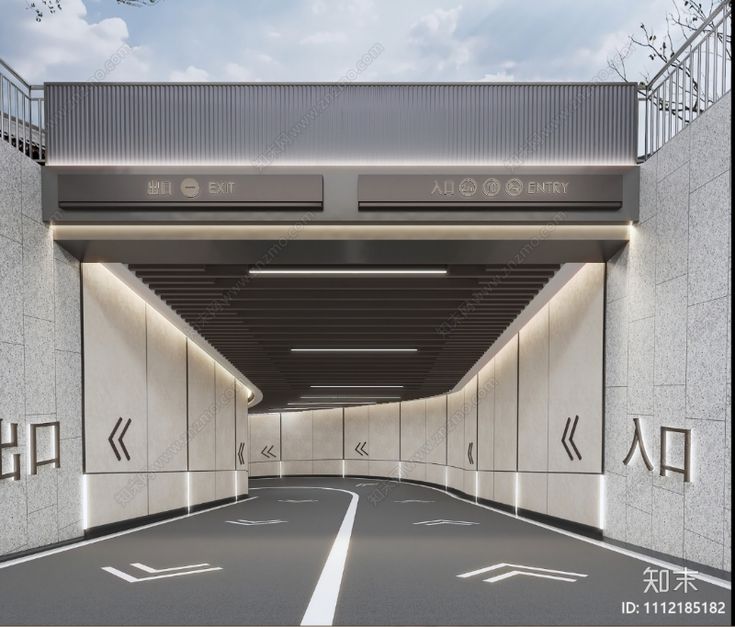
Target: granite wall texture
x=668 y=349
x=40 y=364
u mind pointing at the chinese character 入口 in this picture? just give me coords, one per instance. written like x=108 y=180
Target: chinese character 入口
x=638 y=441
x=14 y=474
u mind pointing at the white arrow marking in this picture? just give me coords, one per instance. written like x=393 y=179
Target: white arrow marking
x=362 y=485
x=298 y=501
x=536 y=572
x=513 y=573
x=253 y=523
x=168 y=572
x=431 y=523
x=414 y=501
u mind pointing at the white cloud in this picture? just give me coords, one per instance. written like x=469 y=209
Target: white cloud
x=498 y=77
x=240 y=73
x=438 y=23
x=437 y=40
x=191 y=74
x=318 y=7
x=67 y=42
x=325 y=37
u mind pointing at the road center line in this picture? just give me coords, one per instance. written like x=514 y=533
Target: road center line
x=323 y=603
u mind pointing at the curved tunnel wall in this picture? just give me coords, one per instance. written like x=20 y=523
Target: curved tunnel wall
x=163 y=420
x=499 y=438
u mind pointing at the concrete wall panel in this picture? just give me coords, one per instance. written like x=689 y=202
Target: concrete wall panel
x=242 y=429
x=486 y=485
x=436 y=429
x=455 y=429
x=470 y=425
x=114 y=373
x=328 y=467
x=575 y=370
x=384 y=469
x=575 y=497
x=455 y=478
x=533 y=491
x=202 y=487
x=167 y=491
x=357 y=430
x=504 y=488
x=298 y=467
x=265 y=437
x=360 y=468
x=115 y=497
x=436 y=474
x=225 y=484
x=327 y=438
x=505 y=438
x=384 y=431
x=296 y=435
x=166 y=385
x=225 y=448
x=265 y=469
x=486 y=417
x=413 y=471
x=202 y=412
x=533 y=393
x=413 y=430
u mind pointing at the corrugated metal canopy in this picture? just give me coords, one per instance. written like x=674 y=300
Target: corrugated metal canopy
x=304 y=124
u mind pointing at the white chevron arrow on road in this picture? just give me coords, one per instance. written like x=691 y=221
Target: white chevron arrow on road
x=298 y=501
x=527 y=571
x=442 y=521
x=254 y=523
x=162 y=573
x=414 y=501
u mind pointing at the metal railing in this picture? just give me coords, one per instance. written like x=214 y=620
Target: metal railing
x=695 y=77
x=22 y=114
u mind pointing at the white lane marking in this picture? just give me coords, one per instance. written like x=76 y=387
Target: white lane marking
x=513 y=573
x=487 y=569
x=432 y=523
x=255 y=523
x=83 y=543
x=414 y=501
x=298 y=501
x=154 y=571
x=323 y=602
x=711 y=579
x=363 y=485
x=131 y=579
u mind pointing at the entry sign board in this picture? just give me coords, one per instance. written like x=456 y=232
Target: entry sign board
x=490 y=191
x=160 y=191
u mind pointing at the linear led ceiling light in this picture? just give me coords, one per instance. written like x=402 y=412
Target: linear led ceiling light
x=351 y=397
x=347 y=272
x=331 y=403
x=355 y=387
x=354 y=350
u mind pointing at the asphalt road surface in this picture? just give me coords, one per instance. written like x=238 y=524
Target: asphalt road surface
x=322 y=551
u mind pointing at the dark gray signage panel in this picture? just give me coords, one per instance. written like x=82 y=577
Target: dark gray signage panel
x=155 y=191
x=488 y=192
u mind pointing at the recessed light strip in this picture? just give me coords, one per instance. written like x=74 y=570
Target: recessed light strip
x=355 y=387
x=354 y=350
x=330 y=403
x=346 y=272
x=351 y=396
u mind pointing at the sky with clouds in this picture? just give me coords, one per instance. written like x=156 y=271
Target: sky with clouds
x=320 y=40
